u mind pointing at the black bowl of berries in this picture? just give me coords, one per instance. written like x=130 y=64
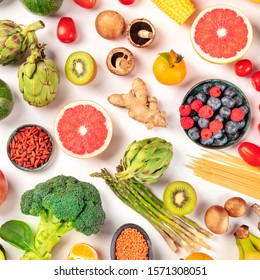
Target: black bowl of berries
x=215 y=114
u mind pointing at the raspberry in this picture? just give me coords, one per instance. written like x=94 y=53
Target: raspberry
x=196 y=105
x=187 y=122
x=185 y=110
x=205 y=133
x=237 y=115
x=206 y=112
x=215 y=91
x=215 y=126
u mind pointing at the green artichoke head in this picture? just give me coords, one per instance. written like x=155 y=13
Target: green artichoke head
x=14 y=41
x=38 y=77
x=146 y=160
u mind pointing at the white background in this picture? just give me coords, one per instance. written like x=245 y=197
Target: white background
x=169 y=36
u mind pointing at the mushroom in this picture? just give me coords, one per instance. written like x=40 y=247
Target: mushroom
x=140 y=33
x=120 y=61
x=110 y=25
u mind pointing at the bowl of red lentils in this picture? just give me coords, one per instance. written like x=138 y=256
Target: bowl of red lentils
x=131 y=242
x=30 y=147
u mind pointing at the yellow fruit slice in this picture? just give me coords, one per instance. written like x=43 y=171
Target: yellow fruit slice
x=82 y=251
x=198 y=256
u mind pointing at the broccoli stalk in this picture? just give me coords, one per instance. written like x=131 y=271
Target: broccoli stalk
x=63 y=203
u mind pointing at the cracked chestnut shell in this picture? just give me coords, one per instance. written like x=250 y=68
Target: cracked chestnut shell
x=140 y=33
x=120 y=61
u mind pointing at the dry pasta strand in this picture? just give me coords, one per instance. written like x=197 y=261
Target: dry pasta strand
x=227 y=170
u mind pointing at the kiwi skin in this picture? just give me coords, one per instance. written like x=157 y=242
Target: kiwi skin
x=179 y=198
x=89 y=65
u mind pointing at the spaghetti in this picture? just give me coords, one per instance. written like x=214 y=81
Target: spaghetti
x=228 y=171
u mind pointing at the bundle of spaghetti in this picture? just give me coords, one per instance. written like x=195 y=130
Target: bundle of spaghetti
x=228 y=171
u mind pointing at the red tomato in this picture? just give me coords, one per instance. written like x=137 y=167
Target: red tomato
x=250 y=153
x=86 y=3
x=3 y=187
x=66 y=30
x=243 y=67
x=127 y=2
x=255 y=79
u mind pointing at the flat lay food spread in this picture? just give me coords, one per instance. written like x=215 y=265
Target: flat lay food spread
x=129 y=130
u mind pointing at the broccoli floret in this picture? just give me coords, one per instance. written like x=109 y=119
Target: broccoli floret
x=63 y=203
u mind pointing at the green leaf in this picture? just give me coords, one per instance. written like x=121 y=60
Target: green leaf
x=18 y=233
x=166 y=56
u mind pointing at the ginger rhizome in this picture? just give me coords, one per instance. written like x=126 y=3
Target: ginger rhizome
x=140 y=106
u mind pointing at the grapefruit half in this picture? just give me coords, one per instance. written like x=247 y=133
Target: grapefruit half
x=83 y=129
x=221 y=34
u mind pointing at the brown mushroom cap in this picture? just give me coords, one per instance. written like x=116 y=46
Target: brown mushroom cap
x=120 y=61
x=110 y=24
x=140 y=32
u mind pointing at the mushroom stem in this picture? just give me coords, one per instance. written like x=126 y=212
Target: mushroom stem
x=122 y=63
x=145 y=34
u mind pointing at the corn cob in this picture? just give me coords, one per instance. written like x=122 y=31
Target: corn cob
x=178 y=10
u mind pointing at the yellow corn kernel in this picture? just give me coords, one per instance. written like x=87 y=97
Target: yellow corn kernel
x=178 y=10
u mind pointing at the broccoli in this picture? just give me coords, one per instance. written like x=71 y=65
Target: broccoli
x=63 y=203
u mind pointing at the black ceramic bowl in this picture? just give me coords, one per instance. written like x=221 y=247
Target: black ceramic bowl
x=30 y=147
x=224 y=139
x=118 y=232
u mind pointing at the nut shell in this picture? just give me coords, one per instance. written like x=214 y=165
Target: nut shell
x=120 y=61
x=110 y=25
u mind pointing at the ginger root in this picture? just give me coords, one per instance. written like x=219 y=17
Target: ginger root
x=140 y=106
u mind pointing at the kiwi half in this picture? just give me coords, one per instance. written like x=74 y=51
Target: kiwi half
x=179 y=198
x=80 y=68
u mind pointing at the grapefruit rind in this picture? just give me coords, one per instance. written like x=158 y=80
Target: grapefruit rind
x=221 y=60
x=108 y=124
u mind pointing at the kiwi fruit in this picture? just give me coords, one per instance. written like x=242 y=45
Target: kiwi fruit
x=80 y=68
x=179 y=198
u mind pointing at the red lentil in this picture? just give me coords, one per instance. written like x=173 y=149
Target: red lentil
x=131 y=245
x=31 y=147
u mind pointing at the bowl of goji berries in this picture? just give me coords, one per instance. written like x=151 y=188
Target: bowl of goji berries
x=215 y=113
x=30 y=147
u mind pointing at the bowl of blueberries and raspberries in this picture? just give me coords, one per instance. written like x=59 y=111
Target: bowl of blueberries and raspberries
x=215 y=113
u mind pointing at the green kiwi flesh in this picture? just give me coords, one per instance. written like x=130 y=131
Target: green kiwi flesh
x=80 y=68
x=179 y=198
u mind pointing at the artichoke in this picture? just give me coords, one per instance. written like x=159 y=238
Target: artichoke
x=38 y=77
x=146 y=160
x=14 y=41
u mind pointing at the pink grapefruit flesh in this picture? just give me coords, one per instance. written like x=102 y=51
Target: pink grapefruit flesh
x=221 y=34
x=83 y=129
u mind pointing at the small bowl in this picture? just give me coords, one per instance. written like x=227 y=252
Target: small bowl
x=30 y=147
x=231 y=138
x=118 y=232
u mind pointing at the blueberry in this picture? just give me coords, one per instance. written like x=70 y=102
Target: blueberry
x=231 y=127
x=203 y=123
x=206 y=87
x=238 y=100
x=221 y=141
x=194 y=133
x=228 y=101
x=190 y=99
x=219 y=118
x=244 y=108
x=241 y=124
x=214 y=103
x=195 y=118
x=201 y=96
x=225 y=112
x=207 y=142
x=230 y=92
x=233 y=136
x=221 y=85
x=218 y=134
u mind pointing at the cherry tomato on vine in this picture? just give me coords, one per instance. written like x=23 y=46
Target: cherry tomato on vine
x=255 y=79
x=86 y=3
x=66 y=30
x=243 y=67
x=250 y=153
x=127 y=2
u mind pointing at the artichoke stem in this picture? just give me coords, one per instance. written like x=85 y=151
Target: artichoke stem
x=33 y=27
x=37 y=50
